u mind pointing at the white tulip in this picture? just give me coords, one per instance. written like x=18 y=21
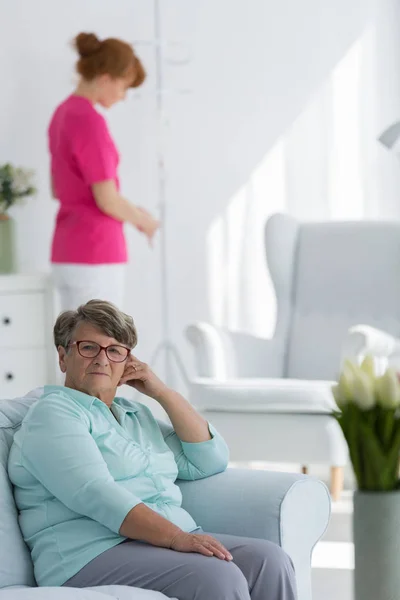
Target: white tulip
x=363 y=391
x=346 y=382
x=352 y=369
x=388 y=389
x=350 y=365
x=368 y=366
x=339 y=397
x=356 y=384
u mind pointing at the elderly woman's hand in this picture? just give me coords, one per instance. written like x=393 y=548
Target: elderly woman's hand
x=200 y=543
x=139 y=376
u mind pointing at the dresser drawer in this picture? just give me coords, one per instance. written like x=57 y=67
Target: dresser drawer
x=22 y=320
x=21 y=371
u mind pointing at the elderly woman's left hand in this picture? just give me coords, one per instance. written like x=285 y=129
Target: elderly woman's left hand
x=139 y=376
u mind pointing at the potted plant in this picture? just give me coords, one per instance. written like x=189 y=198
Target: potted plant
x=15 y=184
x=369 y=416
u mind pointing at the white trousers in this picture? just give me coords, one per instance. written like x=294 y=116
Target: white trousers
x=77 y=284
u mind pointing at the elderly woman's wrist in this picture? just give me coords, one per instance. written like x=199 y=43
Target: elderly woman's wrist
x=172 y=532
x=174 y=537
x=165 y=394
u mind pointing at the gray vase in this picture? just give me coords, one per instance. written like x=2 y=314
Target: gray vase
x=376 y=529
x=7 y=245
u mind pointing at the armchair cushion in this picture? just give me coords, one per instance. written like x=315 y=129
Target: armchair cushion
x=263 y=395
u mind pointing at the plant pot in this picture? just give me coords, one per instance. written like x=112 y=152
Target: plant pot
x=7 y=244
x=376 y=529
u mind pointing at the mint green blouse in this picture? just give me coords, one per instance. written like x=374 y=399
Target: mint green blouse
x=78 y=470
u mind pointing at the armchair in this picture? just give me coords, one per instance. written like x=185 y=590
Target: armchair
x=290 y=510
x=271 y=398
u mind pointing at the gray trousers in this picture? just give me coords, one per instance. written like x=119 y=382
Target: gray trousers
x=260 y=570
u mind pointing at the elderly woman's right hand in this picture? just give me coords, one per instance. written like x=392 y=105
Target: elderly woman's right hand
x=200 y=543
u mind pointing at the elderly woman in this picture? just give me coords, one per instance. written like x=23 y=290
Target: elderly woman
x=94 y=478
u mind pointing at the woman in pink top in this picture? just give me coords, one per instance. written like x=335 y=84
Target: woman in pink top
x=89 y=248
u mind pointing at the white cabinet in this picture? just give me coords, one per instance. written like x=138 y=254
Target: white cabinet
x=27 y=356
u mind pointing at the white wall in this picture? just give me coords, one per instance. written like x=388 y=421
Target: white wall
x=254 y=66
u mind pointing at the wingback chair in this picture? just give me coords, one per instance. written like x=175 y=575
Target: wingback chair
x=271 y=398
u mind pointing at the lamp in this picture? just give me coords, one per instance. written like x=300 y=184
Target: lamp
x=390 y=138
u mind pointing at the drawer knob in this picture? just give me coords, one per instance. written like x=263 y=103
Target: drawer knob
x=6 y=321
x=9 y=376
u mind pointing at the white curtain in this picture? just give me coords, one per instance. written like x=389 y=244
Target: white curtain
x=328 y=165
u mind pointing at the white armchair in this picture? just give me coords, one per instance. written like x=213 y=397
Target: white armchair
x=271 y=399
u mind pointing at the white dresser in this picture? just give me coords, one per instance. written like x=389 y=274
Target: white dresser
x=27 y=356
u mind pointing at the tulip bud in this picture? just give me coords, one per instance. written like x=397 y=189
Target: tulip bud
x=363 y=391
x=345 y=384
x=368 y=366
x=388 y=389
x=352 y=368
x=339 y=397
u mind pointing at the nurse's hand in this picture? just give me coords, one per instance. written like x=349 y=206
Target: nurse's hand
x=148 y=224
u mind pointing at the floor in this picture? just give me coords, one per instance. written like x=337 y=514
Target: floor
x=333 y=559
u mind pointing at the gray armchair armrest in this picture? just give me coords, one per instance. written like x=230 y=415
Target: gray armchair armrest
x=287 y=509
x=220 y=354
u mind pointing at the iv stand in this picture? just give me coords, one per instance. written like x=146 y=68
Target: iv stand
x=165 y=345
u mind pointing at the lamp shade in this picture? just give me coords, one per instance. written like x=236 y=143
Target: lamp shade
x=390 y=138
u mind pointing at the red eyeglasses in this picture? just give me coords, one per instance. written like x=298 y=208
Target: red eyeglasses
x=114 y=352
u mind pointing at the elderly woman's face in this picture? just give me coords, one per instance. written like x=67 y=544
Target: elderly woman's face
x=98 y=376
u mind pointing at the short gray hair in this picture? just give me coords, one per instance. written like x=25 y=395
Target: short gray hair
x=105 y=316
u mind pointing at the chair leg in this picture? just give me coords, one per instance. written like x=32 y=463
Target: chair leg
x=337 y=478
x=304 y=470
